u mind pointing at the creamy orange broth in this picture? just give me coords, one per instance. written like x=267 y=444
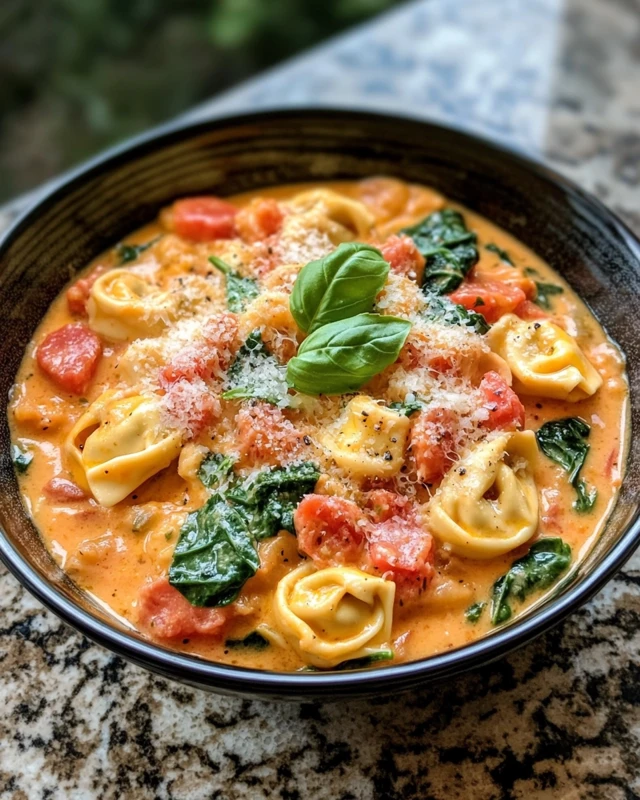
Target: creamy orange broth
x=100 y=550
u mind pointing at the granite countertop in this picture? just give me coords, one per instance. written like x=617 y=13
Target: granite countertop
x=558 y=719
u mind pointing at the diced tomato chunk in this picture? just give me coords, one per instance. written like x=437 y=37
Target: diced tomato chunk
x=265 y=434
x=403 y=256
x=488 y=297
x=63 y=491
x=78 y=293
x=433 y=443
x=404 y=550
x=260 y=219
x=330 y=529
x=203 y=219
x=384 y=505
x=166 y=614
x=69 y=356
x=207 y=358
x=529 y=311
x=191 y=406
x=506 y=411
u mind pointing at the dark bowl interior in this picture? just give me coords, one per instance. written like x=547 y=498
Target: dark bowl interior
x=113 y=195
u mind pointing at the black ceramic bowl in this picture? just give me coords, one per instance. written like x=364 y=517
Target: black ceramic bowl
x=98 y=204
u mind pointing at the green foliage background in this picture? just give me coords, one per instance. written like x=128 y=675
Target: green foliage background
x=77 y=75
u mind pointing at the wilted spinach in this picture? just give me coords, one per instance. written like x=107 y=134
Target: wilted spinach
x=545 y=292
x=252 y=641
x=502 y=254
x=357 y=663
x=240 y=290
x=449 y=248
x=127 y=253
x=256 y=373
x=215 y=555
x=474 y=612
x=407 y=407
x=21 y=458
x=546 y=560
x=214 y=468
x=564 y=441
x=216 y=552
x=270 y=500
x=441 y=309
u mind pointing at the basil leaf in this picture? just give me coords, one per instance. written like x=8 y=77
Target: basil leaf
x=240 y=290
x=127 y=253
x=564 y=441
x=502 y=254
x=448 y=247
x=256 y=373
x=252 y=641
x=546 y=560
x=215 y=555
x=342 y=356
x=21 y=458
x=545 y=292
x=214 y=469
x=340 y=285
x=474 y=612
x=441 y=309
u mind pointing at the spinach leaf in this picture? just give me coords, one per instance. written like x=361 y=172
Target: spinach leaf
x=21 y=458
x=215 y=554
x=341 y=356
x=448 y=247
x=270 y=500
x=407 y=407
x=214 y=469
x=546 y=560
x=545 y=293
x=256 y=373
x=357 y=663
x=502 y=254
x=474 y=612
x=240 y=290
x=564 y=441
x=127 y=253
x=340 y=285
x=252 y=641
x=441 y=309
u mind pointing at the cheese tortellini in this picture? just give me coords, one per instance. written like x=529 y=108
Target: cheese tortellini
x=545 y=360
x=370 y=439
x=331 y=615
x=124 y=306
x=119 y=443
x=341 y=218
x=487 y=504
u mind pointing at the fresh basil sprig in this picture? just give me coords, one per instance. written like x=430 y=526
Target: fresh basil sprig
x=340 y=285
x=565 y=442
x=342 y=356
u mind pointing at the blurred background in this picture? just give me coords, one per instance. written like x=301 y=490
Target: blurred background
x=79 y=75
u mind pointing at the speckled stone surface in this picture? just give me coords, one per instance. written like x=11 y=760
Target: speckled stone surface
x=558 y=719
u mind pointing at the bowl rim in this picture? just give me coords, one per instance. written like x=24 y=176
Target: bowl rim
x=246 y=680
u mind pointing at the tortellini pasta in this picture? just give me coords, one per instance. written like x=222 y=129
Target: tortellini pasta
x=369 y=440
x=545 y=360
x=119 y=443
x=124 y=306
x=341 y=218
x=331 y=615
x=487 y=504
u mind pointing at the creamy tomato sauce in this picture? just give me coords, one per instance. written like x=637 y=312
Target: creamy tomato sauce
x=395 y=529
